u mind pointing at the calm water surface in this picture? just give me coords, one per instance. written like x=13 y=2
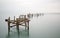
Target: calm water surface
x=47 y=26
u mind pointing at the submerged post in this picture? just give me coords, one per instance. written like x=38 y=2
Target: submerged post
x=9 y=24
x=25 y=21
x=17 y=24
x=28 y=25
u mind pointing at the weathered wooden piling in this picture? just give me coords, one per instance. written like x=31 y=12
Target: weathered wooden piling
x=9 y=24
x=17 y=24
x=28 y=25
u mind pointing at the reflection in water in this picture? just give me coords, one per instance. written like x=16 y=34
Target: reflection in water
x=19 y=34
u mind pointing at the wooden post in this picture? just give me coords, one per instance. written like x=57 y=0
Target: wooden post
x=28 y=25
x=9 y=24
x=17 y=24
x=25 y=21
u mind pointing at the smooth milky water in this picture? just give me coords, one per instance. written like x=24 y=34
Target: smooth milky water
x=47 y=26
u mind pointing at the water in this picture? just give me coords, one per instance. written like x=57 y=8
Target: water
x=47 y=26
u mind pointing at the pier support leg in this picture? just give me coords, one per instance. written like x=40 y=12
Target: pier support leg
x=25 y=25
x=8 y=27
x=17 y=25
x=28 y=25
x=17 y=28
x=8 y=24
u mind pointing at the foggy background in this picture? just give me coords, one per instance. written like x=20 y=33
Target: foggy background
x=17 y=7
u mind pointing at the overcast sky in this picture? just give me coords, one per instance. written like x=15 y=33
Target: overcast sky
x=33 y=6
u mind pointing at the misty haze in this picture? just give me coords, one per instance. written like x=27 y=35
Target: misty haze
x=43 y=17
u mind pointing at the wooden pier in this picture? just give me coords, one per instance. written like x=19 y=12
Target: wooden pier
x=22 y=21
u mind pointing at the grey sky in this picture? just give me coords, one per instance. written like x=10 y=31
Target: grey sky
x=33 y=6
